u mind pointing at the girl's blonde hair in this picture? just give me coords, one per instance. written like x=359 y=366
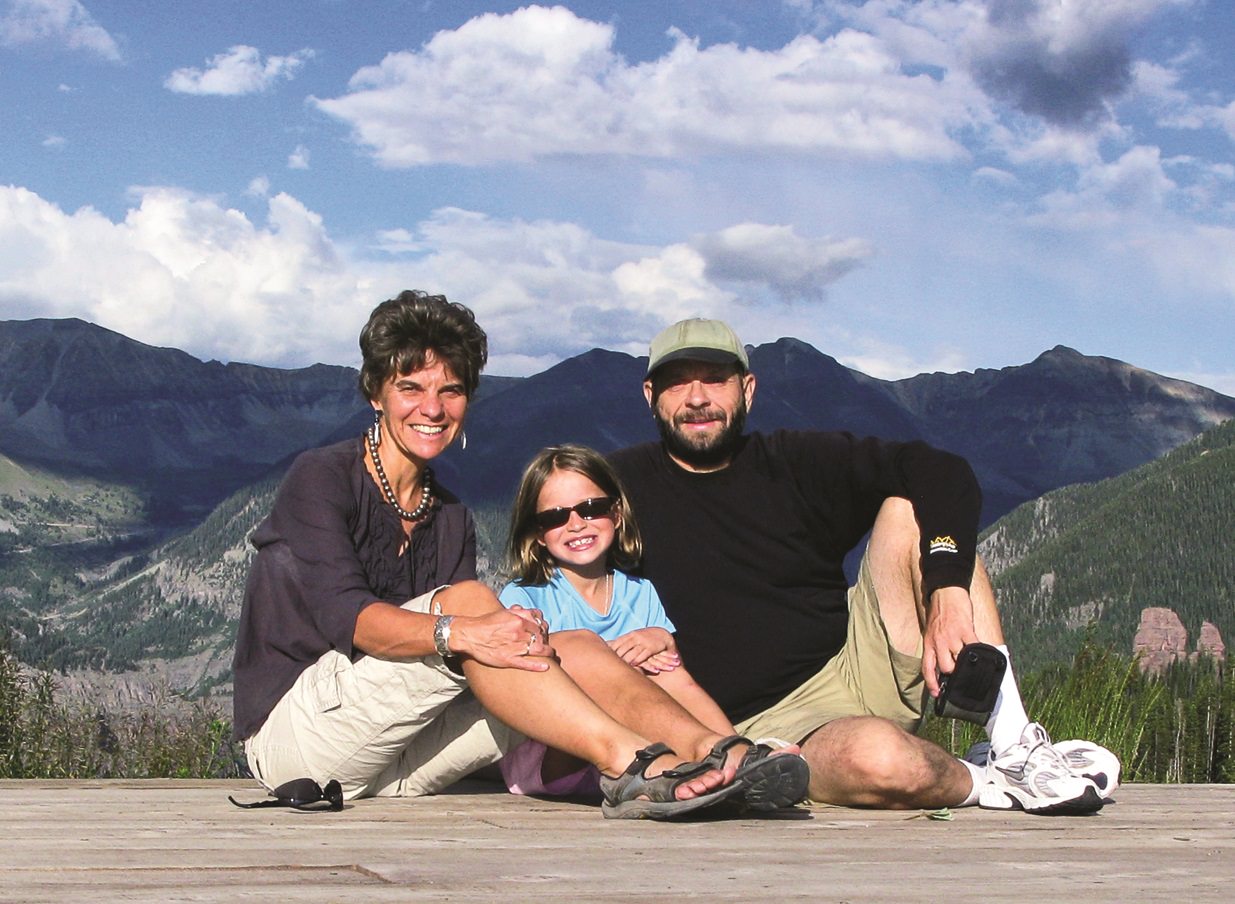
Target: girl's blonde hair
x=528 y=560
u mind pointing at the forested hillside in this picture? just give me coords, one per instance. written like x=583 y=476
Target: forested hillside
x=98 y=608
x=1160 y=535
x=180 y=601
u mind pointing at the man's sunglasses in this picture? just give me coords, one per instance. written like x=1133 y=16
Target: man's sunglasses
x=301 y=794
x=588 y=510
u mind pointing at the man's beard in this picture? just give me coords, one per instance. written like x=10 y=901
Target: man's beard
x=700 y=451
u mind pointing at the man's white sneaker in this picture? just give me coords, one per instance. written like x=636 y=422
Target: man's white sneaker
x=1094 y=762
x=1035 y=777
x=1084 y=758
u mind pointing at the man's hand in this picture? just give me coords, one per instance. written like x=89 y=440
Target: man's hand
x=638 y=648
x=949 y=626
x=506 y=639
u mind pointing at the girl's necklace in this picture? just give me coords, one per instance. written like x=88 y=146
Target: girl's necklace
x=426 y=487
x=608 y=592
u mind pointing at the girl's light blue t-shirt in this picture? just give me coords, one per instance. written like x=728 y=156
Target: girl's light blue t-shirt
x=636 y=605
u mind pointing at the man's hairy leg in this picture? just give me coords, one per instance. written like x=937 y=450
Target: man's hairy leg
x=866 y=761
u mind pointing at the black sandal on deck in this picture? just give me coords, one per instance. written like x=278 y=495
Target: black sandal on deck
x=768 y=782
x=632 y=795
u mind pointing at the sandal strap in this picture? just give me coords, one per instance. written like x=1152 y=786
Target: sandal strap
x=756 y=753
x=643 y=758
x=718 y=754
x=634 y=782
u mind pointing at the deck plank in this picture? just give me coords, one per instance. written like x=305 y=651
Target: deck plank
x=165 y=840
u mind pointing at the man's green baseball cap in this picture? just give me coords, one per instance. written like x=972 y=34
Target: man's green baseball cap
x=697 y=340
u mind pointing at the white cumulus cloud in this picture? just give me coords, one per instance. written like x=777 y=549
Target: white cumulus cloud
x=1107 y=193
x=183 y=271
x=1132 y=210
x=258 y=187
x=64 y=22
x=188 y=271
x=543 y=81
x=299 y=158
x=239 y=70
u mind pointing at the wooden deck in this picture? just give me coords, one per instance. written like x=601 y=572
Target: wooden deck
x=163 y=841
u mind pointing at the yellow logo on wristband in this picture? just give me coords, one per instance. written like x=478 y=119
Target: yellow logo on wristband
x=943 y=544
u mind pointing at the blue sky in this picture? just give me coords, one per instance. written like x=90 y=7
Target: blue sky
x=935 y=185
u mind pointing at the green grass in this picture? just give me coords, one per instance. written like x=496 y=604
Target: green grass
x=1176 y=728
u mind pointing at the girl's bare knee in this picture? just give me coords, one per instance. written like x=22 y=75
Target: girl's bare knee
x=467 y=598
x=579 y=642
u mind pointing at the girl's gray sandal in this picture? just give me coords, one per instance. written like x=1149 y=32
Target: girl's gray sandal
x=632 y=795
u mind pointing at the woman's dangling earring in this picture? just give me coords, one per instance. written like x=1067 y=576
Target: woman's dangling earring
x=375 y=432
x=463 y=439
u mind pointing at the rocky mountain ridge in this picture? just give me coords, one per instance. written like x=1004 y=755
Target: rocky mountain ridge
x=1107 y=417
x=150 y=570
x=77 y=398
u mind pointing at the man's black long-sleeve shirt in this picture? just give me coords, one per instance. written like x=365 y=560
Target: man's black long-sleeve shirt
x=749 y=559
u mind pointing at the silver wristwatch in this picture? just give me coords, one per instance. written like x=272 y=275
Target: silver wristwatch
x=441 y=635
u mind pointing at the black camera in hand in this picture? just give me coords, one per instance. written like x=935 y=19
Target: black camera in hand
x=969 y=692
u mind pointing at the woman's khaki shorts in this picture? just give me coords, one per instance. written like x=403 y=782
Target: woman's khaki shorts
x=866 y=678
x=381 y=728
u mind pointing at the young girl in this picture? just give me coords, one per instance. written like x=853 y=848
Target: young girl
x=572 y=538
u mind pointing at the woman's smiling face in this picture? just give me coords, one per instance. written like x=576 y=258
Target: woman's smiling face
x=422 y=411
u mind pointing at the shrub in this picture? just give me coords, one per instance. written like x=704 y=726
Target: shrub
x=42 y=737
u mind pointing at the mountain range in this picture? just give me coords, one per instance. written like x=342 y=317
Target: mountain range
x=130 y=476
x=79 y=399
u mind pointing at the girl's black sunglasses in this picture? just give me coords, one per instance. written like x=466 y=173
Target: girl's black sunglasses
x=588 y=510
x=301 y=794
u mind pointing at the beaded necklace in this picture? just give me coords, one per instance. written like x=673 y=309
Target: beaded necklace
x=426 y=487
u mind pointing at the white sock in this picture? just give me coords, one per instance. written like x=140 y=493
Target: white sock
x=1009 y=718
x=978 y=774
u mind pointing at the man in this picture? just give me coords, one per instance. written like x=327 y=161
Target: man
x=745 y=536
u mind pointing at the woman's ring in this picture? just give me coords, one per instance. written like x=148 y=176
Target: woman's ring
x=531 y=639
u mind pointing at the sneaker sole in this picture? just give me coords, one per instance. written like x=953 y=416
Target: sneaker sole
x=1088 y=802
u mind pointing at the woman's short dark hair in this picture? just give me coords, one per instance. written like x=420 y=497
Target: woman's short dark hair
x=404 y=331
x=528 y=560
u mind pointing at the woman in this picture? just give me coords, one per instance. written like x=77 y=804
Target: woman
x=354 y=659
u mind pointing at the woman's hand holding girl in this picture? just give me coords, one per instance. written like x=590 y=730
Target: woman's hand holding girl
x=504 y=639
